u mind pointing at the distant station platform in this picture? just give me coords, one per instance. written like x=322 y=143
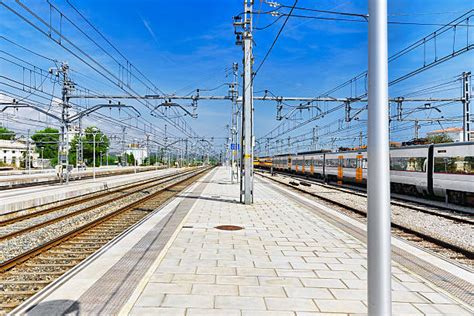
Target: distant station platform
x=29 y=197
x=292 y=256
x=24 y=178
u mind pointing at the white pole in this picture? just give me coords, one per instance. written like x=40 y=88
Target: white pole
x=93 y=157
x=248 y=105
x=378 y=186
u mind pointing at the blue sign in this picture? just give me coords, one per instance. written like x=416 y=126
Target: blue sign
x=234 y=146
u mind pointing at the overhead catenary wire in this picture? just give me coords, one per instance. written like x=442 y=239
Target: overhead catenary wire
x=274 y=41
x=178 y=123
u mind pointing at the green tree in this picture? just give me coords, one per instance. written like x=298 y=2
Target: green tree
x=48 y=139
x=438 y=139
x=102 y=144
x=131 y=159
x=6 y=134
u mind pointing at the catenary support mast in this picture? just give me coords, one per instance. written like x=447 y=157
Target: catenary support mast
x=247 y=108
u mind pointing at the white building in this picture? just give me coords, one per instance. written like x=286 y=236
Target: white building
x=139 y=153
x=12 y=152
x=455 y=133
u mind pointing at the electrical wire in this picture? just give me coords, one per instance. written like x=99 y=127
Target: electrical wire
x=274 y=41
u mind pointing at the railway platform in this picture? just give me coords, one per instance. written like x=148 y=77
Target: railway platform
x=20 y=199
x=16 y=179
x=203 y=253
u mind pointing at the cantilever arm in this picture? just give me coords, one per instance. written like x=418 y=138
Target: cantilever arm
x=97 y=107
x=16 y=106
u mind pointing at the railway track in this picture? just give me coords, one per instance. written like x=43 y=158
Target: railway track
x=457 y=253
x=452 y=214
x=25 y=214
x=19 y=222
x=28 y=272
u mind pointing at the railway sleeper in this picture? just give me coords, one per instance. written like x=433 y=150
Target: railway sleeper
x=94 y=239
x=80 y=247
x=36 y=264
x=23 y=285
x=41 y=269
x=32 y=276
x=59 y=261
x=15 y=293
x=80 y=252
x=35 y=273
x=54 y=256
x=85 y=242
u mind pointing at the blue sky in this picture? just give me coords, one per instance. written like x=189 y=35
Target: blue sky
x=184 y=45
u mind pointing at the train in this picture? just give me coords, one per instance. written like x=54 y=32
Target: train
x=439 y=171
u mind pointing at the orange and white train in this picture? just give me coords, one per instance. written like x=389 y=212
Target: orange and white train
x=443 y=171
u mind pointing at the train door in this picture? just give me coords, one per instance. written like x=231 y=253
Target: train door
x=340 y=170
x=303 y=164
x=359 y=169
x=311 y=166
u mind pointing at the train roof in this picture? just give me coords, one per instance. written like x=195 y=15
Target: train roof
x=436 y=145
x=365 y=150
x=322 y=151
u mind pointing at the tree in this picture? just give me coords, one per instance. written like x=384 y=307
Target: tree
x=438 y=139
x=48 y=139
x=6 y=134
x=131 y=159
x=101 y=145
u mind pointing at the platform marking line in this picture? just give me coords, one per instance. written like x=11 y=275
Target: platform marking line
x=410 y=250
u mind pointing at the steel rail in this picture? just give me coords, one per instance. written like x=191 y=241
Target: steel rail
x=141 y=187
x=10 y=263
x=76 y=200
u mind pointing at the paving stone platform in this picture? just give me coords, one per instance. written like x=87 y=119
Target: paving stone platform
x=288 y=260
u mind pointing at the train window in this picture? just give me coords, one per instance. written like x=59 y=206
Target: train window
x=350 y=163
x=408 y=164
x=364 y=163
x=454 y=165
x=318 y=162
x=332 y=162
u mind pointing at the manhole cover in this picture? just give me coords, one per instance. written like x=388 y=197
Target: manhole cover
x=229 y=227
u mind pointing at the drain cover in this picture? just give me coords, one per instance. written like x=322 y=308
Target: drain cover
x=229 y=227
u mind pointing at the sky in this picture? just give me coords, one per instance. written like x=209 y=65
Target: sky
x=181 y=46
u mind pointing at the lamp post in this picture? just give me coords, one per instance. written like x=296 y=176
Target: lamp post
x=94 y=134
x=42 y=158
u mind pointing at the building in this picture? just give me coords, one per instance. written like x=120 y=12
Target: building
x=139 y=153
x=12 y=152
x=455 y=133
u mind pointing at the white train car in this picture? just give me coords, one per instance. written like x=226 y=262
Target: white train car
x=453 y=172
x=408 y=169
